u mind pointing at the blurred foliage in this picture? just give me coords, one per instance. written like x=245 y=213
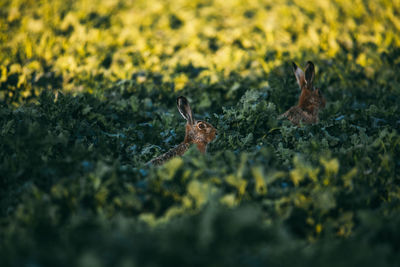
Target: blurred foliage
x=87 y=97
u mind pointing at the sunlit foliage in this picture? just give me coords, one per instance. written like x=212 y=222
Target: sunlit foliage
x=87 y=92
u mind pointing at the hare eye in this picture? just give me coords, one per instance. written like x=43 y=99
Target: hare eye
x=201 y=125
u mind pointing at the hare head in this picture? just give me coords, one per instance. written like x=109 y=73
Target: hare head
x=311 y=99
x=198 y=132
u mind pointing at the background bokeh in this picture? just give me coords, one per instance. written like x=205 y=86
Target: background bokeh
x=87 y=97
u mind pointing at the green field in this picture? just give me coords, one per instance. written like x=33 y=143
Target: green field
x=88 y=95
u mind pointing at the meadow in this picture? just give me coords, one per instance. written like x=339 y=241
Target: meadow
x=88 y=95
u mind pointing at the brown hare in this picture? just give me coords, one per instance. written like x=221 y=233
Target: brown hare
x=197 y=132
x=311 y=99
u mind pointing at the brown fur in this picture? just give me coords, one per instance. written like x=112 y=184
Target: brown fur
x=311 y=101
x=197 y=132
x=179 y=150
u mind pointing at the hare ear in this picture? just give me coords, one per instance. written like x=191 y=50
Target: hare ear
x=310 y=73
x=184 y=109
x=299 y=75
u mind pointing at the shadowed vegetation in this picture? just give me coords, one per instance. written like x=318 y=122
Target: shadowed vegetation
x=88 y=95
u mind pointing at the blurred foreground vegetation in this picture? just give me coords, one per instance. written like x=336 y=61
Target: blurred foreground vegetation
x=87 y=97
